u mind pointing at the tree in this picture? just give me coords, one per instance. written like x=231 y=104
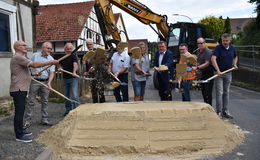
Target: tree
x=214 y=27
x=227 y=26
x=257 y=10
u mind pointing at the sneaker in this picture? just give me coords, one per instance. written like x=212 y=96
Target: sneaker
x=227 y=115
x=27 y=133
x=24 y=139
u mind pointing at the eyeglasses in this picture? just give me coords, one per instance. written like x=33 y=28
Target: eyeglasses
x=200 y=43
x=181 y=49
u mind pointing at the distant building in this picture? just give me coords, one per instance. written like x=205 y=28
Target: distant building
x=16 y=23
x=74 y=22
x=62 y=23
x=121 y=27
x=238 y=24
x=134 y=42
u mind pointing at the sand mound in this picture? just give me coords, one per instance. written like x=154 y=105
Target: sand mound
x=130 y=130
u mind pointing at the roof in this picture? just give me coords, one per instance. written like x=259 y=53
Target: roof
x=134 y=42
x=238 y=24
x=62 y=22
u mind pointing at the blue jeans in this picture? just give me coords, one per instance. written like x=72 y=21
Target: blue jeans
x=222 y=84
x=71 y=85
x=139 y=87
x=186 y=90
x=122 y=88
x=19 y=104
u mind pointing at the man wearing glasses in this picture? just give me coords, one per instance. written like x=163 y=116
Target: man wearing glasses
x=20 y=82
x=205 y=68
x=45 y=77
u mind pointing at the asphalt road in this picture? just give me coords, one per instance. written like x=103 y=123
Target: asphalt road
x=244 y=105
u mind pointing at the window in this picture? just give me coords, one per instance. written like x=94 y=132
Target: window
x=8 y=32
x=5 y=33
x=174 y=37
x=89 y=35
x=98 y=39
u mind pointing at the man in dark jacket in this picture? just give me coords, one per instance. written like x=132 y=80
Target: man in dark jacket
x=164 y=57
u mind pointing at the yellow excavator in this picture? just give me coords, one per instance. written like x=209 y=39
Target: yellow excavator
x=173 y=34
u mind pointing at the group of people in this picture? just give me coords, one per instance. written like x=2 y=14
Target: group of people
x=24 y=70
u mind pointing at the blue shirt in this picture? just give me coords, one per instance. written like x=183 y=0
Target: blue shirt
x=38 y=57
x=225 y=57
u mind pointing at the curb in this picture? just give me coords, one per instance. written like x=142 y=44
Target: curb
x=47 y=154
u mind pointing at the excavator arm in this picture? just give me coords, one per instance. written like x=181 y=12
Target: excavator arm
x=134 y=8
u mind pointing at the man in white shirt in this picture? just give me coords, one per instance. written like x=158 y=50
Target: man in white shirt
x=119 y=65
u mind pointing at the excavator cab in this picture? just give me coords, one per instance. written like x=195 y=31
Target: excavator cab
x=183 y=32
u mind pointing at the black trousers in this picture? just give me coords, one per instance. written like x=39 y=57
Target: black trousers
x=19 y=98
x=97 y=91
x=165 y=89
x=206 y=88
x=122 y=88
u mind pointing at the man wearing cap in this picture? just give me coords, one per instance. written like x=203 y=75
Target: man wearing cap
x=119 y=65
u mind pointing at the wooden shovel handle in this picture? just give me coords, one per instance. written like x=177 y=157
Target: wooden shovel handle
x=215 y=76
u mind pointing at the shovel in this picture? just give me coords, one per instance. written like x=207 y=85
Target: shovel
x=60 y=94
x=64 y=57
x=213 y=77
x=118 y=80
x=89 y=79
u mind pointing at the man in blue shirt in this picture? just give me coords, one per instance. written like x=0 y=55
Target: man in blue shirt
x=224 y=58
x=45 y=77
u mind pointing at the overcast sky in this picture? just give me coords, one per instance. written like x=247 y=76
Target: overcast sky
x=194 y=9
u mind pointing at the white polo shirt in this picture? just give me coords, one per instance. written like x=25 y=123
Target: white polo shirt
x=120 y=61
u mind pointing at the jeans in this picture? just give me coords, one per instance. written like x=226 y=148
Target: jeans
x=19 y=104
x=36 y=88
x=122 y=88
x=186 y=90
x=71 y=91
x=139 y=87
x=222 y=84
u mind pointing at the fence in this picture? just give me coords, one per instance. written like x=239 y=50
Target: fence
x=249 y=56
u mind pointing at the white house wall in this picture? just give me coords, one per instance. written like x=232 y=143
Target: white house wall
x=7 y=6
x=93 y=26
x=120 y=26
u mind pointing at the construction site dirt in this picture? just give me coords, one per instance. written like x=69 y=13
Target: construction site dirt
x=244 y=105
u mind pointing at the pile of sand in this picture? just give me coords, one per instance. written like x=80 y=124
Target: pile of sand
x=134 y=130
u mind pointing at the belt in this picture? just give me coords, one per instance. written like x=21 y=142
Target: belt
x=41 y=80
